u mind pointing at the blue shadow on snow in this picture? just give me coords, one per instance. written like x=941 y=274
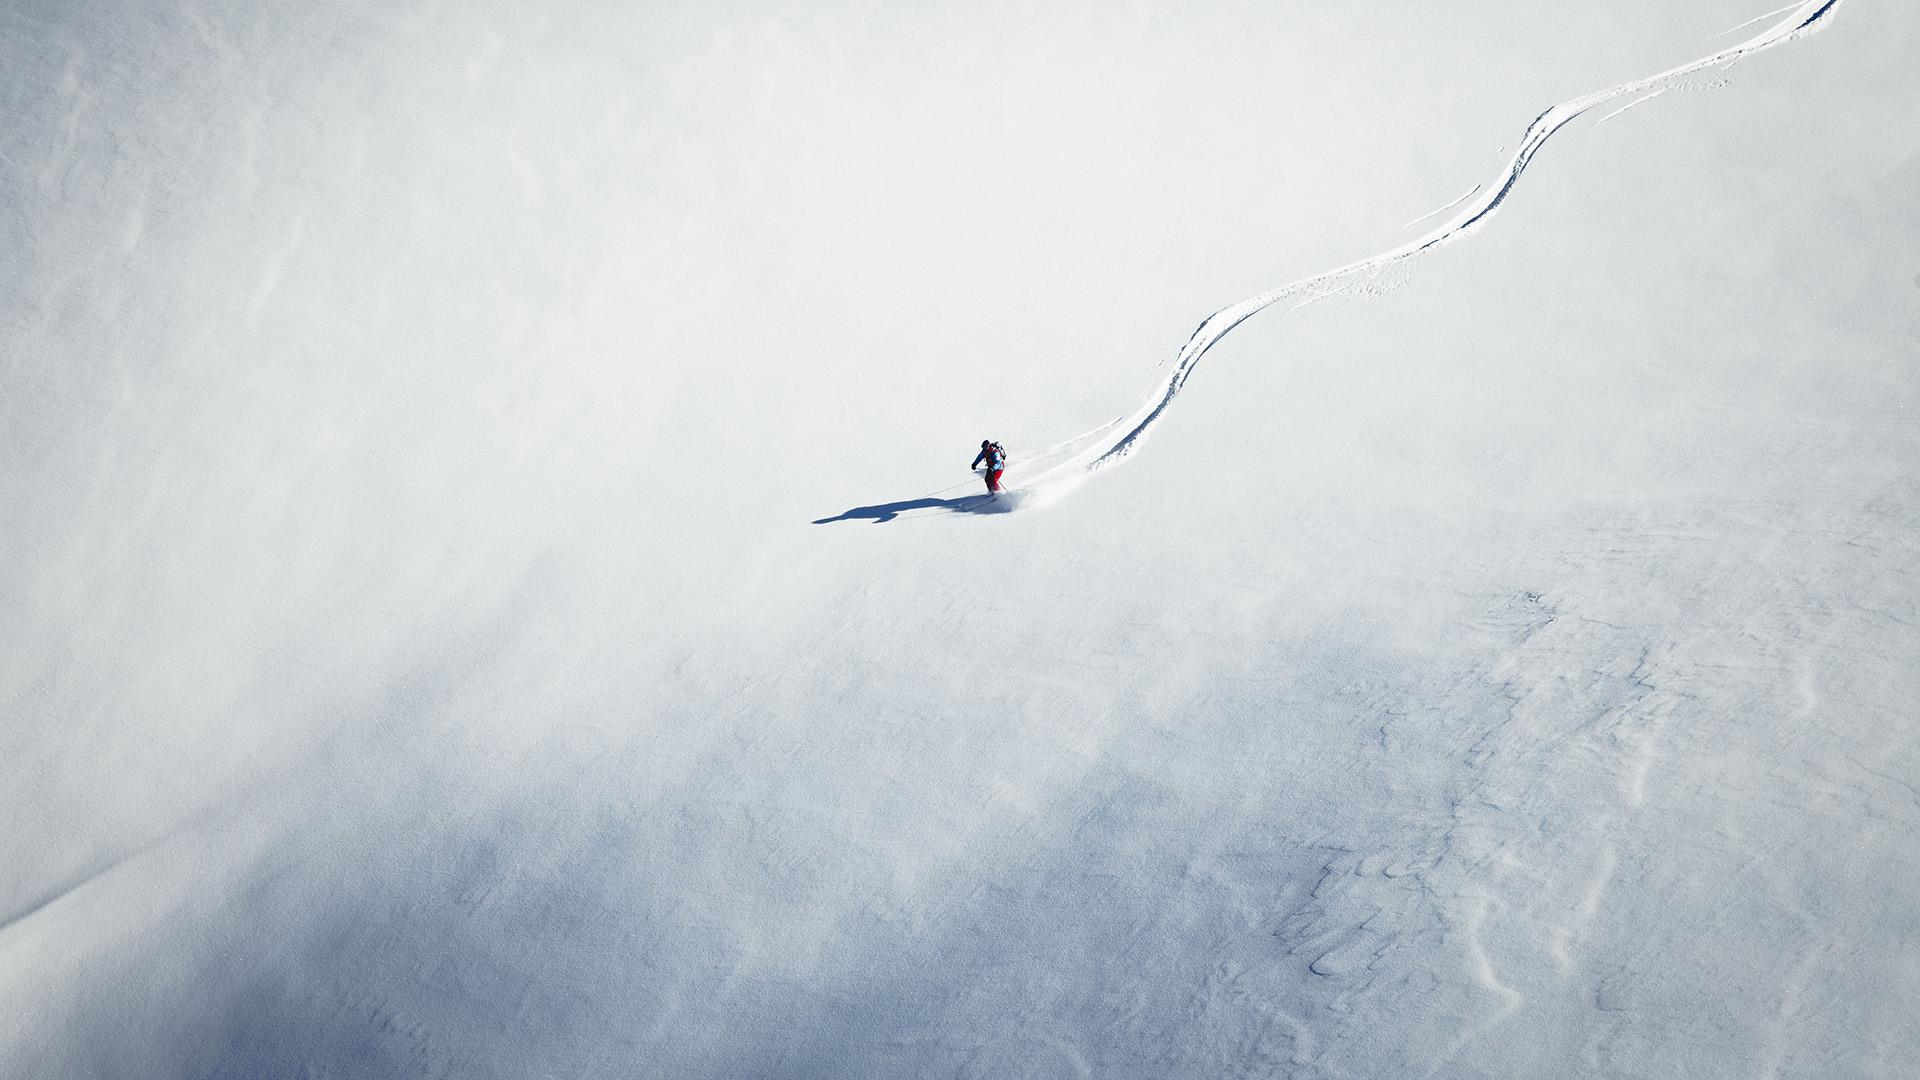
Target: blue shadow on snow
x=885 y=512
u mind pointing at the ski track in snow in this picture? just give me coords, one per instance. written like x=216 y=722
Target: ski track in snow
x=1636 y=101
x=1064 y=468
x=1438 y=210
x=1739 y=26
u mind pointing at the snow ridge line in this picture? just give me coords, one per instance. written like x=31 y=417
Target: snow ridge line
x=1804 y=19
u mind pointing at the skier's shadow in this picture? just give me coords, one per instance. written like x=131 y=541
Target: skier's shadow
x=884 y=512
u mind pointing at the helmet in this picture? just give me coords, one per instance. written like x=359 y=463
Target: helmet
x=984 y=443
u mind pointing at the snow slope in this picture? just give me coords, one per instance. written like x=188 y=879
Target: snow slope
x=1111 y=444
x=484 y=597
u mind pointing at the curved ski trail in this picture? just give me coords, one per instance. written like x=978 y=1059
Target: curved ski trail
x=1075 y=459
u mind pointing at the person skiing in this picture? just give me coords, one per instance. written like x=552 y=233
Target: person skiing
x=996 y=461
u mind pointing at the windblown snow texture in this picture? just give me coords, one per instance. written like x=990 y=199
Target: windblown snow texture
x=416 y=661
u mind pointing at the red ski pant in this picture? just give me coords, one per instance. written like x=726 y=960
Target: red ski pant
x=993 y=479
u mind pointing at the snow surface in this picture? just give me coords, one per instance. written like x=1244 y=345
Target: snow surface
x=491 y=586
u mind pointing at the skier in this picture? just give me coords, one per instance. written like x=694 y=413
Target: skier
x=996 y=459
